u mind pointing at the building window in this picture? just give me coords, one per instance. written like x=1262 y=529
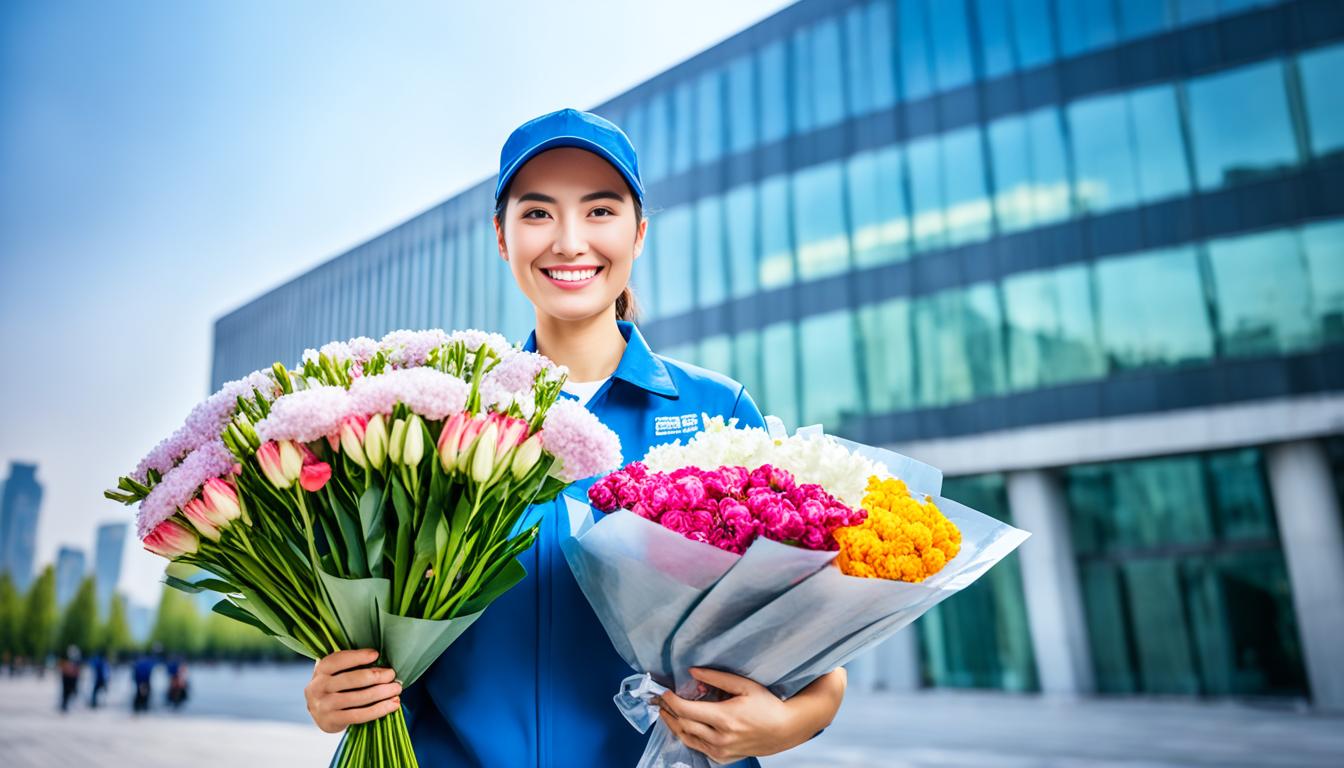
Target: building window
x=1052 y=331
x=1324 y=99
x=1152 y=310
x=819 y=216
x=773 y=71
x=742 y=128
x=779 y=353
x=959 y=340
x=674 y=265
x=1323 y=245
x=1103 y=153
x=982 y=639
x=1233 y=144
x=1086 y=25
x=888 y=355
x=831 y=393
x=868 y=51
x=1030 y=173
x=711 y=282
x=1186 y=544
x=776 y=265
x=1260 y=290
x=709 y=117
x=877 y=206
x=742 y=239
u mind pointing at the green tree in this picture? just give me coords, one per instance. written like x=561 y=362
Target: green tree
x=177 y=627
x=9 y=617
x=116 y=633
x=37 y=634
x=79 y=626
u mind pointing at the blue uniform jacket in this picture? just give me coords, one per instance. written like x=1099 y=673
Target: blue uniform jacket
x=530 y=684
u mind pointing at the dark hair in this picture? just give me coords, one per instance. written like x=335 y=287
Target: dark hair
x=626 y=306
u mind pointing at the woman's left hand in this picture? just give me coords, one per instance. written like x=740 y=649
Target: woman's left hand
x=754 y=721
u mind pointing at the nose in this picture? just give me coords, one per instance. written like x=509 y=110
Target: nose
x=569 y=242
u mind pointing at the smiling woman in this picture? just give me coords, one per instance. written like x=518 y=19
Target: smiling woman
x=531 y=682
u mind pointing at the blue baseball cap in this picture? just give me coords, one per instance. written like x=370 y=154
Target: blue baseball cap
x=569 y=128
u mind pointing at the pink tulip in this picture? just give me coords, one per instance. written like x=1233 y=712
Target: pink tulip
x=201 y=518
x=352 y=439
x=172 y=540
x=222 y=498
x=470 y=432
x=268 y=457
x=512 y=433
x=313 y=476
x=449 y=439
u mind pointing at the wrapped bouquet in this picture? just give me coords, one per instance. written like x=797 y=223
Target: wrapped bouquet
x=375 y=497
x=770 y=556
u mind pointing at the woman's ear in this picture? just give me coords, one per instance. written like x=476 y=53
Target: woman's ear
x=499 y=239
x=640 y=232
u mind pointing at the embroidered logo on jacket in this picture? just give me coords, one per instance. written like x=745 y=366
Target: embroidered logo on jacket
x=675 y=425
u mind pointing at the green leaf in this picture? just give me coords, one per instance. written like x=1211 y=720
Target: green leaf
x=226 y=608
x=371 y=525
x=183 y=585
x=411 y=645
x=502 y=581
x=357 y=603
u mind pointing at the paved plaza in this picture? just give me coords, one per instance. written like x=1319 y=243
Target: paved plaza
x=939 y=729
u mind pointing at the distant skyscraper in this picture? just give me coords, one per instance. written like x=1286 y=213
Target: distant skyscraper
x=141 y=620
x=69 y=572
x=19 y=503
x=107 y=561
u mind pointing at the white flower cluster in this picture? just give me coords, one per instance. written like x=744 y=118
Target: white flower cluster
x=815 y=458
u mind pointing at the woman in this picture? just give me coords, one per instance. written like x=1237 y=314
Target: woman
x=531 y=682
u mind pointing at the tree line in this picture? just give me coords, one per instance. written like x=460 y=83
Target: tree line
x=33 y=629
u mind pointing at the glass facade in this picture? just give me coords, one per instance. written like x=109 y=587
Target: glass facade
x=932 y=219
x=1184 y=584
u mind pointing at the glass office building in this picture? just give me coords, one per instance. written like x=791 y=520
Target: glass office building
x=1085 y=255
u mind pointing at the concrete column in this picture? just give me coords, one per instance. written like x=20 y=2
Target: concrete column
x=1310 y=528
x=1050 y=583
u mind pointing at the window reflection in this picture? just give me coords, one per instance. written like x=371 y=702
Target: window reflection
x=1151 y=309
x=831 y=393
x=711 y=280
x=888 y=357
x=742 y=128
x=742 y=239
x=1323 y=245
x=1051 y=322
x=776 y=265
x=1324 y=98
x=779 y=353
x=877 y=206
x=819 y=216
x=1260 y=288
x=674 y=263
x=1232 y=143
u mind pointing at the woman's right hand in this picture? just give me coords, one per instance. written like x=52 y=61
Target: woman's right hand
x=341 y=693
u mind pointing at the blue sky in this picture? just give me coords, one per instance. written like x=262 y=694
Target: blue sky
x=164 y=162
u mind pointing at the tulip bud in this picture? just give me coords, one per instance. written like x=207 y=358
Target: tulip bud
x=291 y=460
x=483 y=455
x=352 y=439
x=413 y=449
x=394 y=443
x=513 y=433
x=172 y=540
x=222 y=499
x=449 y=439
x=268 y=457
x=200 y=518
x=526 y=457
x=375 y=441
x=470 y=433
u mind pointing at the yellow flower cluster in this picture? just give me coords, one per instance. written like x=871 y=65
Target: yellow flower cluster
x=903 y=538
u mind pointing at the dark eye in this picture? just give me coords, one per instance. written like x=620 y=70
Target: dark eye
x=528 y=214
x=606 y=211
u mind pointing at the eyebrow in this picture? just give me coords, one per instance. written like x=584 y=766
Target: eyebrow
x=605 y=194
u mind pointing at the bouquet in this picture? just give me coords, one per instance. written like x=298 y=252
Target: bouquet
x=770 y=556
x=375 y=497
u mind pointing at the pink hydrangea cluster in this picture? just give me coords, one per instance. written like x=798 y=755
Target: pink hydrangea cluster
x=306 y=415
x=180 y=484
x=583 y=445
x=204 y=423
x=408 y=349
x=518 y=372
x=728 y=507
x=431 y=393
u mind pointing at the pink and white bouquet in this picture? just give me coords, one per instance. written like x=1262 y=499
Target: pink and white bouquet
x=750 y=551
x=375 y=496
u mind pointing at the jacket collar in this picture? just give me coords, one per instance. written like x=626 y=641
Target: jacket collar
x=639 y=365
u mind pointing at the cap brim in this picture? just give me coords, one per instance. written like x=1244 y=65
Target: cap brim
x=578 y=142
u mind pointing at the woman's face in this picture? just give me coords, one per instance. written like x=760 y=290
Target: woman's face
x=569 y=233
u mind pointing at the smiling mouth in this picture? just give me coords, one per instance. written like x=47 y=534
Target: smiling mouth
x=570 y=274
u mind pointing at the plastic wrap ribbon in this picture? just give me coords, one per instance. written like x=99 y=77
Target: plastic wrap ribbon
x=635 y=700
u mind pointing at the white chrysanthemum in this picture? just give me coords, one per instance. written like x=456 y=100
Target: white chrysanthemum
x=811 y=458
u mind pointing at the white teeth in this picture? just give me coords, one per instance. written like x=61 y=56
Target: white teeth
x=571 y=275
